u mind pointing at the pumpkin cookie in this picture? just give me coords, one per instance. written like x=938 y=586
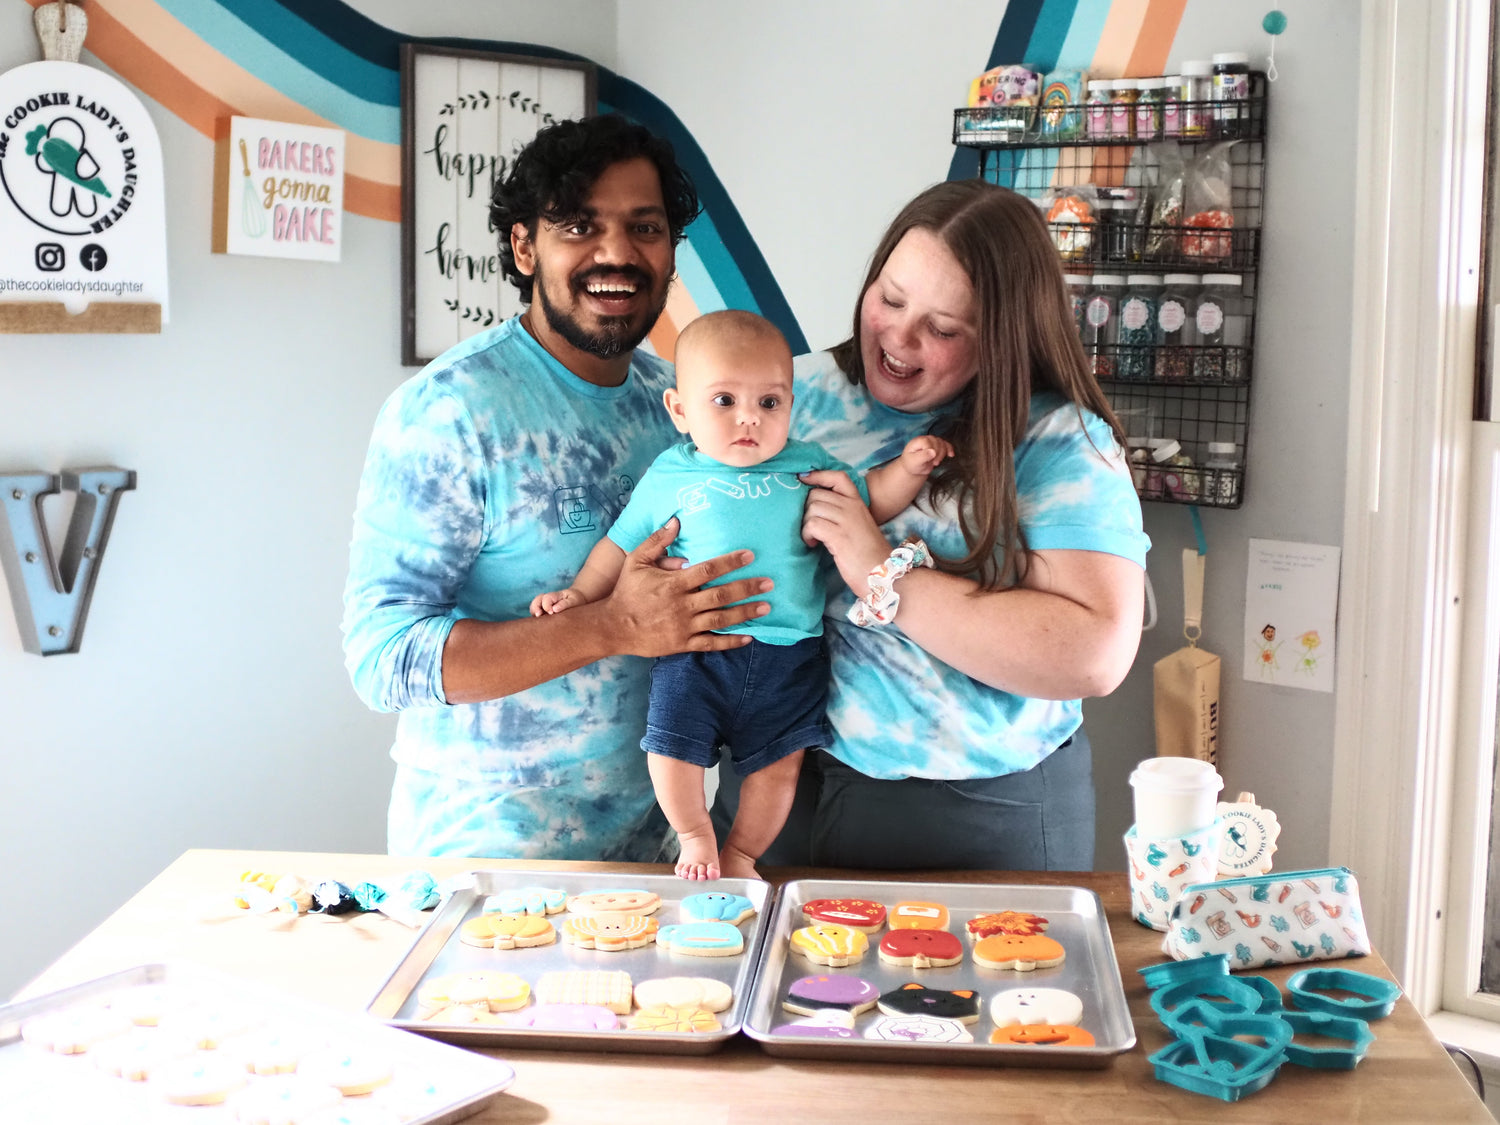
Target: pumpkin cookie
x=1013 y=951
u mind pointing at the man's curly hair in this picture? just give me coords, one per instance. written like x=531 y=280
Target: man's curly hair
x=552 y=176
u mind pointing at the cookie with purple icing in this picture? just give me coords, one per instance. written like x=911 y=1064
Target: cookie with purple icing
x=821 y=992
x=829 y=1023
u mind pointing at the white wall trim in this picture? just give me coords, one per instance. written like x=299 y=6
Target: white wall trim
x=1418 y=220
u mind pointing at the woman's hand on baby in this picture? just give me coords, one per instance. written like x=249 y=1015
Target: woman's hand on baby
x=925 y=453
x=554 y=601
x=836 y=517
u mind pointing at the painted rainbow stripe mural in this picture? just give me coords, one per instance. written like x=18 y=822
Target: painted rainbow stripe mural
x=320 y=62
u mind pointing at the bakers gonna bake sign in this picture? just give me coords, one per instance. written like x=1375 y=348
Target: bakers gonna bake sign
x=82 y=213
x=278 y=190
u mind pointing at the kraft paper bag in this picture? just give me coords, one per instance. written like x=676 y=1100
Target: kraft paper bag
x=1186 y=682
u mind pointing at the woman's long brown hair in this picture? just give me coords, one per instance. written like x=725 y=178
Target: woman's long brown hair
x=1027 y=341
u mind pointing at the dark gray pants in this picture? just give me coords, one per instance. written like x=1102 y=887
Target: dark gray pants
x=1039 y=820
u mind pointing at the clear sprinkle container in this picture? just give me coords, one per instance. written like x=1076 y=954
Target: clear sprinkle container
x=1171 y=105
x=1096 y=111
x=1197 y=97
x=1079 y=285
x=1174 y=326
x=1123 y=95
x=1217 y=301
x=1100 y=321
x=1222 y=474
x=1148 y=108
x=1137 y=331
x=1231 y=93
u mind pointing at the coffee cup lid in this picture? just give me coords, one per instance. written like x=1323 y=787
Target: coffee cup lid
x=1177 y=774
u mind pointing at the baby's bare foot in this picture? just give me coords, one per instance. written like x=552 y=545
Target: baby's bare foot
x=699 y=859
x=735 y=864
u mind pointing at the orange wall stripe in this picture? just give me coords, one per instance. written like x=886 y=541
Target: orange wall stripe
x=372 y=200
x=1158 y=30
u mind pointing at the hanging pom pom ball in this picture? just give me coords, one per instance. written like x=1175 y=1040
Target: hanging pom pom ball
x=1275 y=22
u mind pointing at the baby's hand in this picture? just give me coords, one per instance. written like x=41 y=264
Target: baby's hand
x=925 y=453
x=554 y=601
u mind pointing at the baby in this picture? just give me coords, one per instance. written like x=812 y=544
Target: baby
x=734 y=485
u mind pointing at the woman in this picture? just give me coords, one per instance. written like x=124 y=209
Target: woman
x=957 y=738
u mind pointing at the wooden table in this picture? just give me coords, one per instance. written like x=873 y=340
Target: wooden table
x=339 y=962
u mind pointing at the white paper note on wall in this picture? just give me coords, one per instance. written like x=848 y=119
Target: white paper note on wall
x=1291 y=612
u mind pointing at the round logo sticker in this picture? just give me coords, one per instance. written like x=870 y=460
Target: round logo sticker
x=69 y=166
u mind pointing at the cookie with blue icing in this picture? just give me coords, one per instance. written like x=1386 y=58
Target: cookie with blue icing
x=717 y=906
x=702 y=939
x=527 y=900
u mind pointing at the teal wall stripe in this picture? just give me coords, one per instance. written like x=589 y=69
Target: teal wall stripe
x=315 y=49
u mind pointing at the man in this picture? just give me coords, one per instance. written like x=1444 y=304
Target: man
x=490 y=476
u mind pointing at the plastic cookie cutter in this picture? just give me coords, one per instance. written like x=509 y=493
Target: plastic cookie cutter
x=1371 y=998
x=1270 y=995
x=1355 y=1033
x=1227 y=994
x=1224 y=1054
x=1194 y=968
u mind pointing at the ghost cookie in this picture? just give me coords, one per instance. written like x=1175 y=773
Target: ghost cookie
x=1005 y=922
x=507 y=931
x=918 y=1029
x=830 y=993
x=829 y=1023
x=856 y=913
x=1035 y=1005
x=527 y=900
x=586 y=986
x=684 y=992
x=564 y=1017
x=919 y=1000
x=611 y=932
x=615 y=902
x=702 y=939
x=1013 y=951
x=717 y=906
x=828 y=943
x=921 y=949
x=919 y=916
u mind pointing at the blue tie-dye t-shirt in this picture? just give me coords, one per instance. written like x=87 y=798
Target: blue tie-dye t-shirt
x=895 y=710
x=490 y=476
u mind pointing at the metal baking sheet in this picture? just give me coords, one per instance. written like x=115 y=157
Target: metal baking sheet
x=1076 y=919
x=431 y=1084
x=437 y=951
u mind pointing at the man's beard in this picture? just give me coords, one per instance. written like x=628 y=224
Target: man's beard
x=615 y=335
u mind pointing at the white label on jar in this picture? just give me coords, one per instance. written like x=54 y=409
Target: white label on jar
x=1231 y=87
x=1171 y=316
x=1210 y=318
x=1098 y=312
x=1135 y=314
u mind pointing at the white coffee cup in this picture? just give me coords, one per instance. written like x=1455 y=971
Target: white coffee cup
x=1174 y=796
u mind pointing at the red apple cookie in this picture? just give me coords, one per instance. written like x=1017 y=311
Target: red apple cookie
x=921 y=949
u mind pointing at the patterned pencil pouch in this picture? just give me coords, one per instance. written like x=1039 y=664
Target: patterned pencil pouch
x=1275 y=919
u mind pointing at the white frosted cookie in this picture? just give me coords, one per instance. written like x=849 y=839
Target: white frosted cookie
x=918 y=1029
x=350 y=1072
x=684 y=992
x=615 y=902
x=208 y=1026
x=507 y=931
x=73 y=1031
x=527 y=900
x=612 y=932
x=702 y=939
x=285 y=1099
x=500 y=992
x=270 y=1050
x=611 y=990
x=144 y=1004
x=140 y=1051
x=204 y=1078
x=1035 y=1005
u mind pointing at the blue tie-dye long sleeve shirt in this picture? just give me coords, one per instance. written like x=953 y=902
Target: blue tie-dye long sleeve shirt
x=897 y=711
x=490 y=476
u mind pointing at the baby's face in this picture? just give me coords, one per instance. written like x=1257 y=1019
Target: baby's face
x=735 y=403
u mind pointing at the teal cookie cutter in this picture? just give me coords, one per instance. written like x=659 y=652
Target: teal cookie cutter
x=1270 y=995
x=1355 y=1032
x=1194 y=968
x=1227 y=1069
x=1372 y=997
x=1226 y=993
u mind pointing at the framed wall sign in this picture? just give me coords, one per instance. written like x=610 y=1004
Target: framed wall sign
x=464 y=116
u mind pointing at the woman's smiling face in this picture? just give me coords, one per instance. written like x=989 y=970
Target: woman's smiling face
x=917 y=326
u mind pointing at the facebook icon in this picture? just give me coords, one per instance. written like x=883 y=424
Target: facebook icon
x=93 y=258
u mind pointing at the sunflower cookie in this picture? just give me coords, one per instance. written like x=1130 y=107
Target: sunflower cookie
x=921 y=949
x=615 y=902
x=717 y=906
x=527 y=900
x=611 y=990
x=830 y=993
x=684 y=992
x=612 y=932
x=919 y=1000
x=507 y=931
x=919 y=916
x=828 y=943
x=1013 y=951
x=702 y=939
x=1016 y=922
x=856 y=913
x=661 y=1018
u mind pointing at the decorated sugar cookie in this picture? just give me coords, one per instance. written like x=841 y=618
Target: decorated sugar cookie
x=919 y=916
x=1042 y=1035
x=74 y=1030
x=350 y=1072
x=921 y=949
x=856 y=913
x=612 y=990
x=717 y=906
x=527 y=900
x=1035 y=1005
x=684 y=992
x=615 y=902
x=702 y=939
x=204 y=1078
x=269 y=1050
x=507 y=931
x=564 y=1017
x=827 y=1023
x=918 y=1000
x=136 y=1055
x=673 y=1019
x=610 y=932
x=1013 y=951
x=208 y=1027
x=918 y=1029
x=499 y=992
x=827 y=991
x=830 y=944
x=1005 y=922
x=283 y=1098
